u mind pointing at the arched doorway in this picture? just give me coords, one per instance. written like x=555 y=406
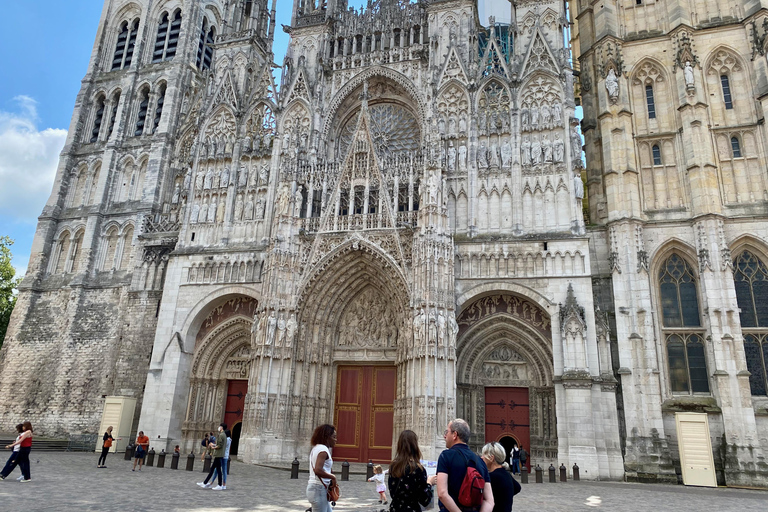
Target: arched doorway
x=236 y=430
x=505 y=374
x=220 y=368
x=353 y=323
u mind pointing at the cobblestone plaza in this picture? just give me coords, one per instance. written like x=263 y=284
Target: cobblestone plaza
x=65 y=481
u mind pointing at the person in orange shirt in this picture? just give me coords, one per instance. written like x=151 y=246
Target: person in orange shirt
x=142 y=445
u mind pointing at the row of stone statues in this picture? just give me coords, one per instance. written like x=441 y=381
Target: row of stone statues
x=538 y=150
x=273 y=330
x=541 y=117
x=431 y=327
x=208 y=212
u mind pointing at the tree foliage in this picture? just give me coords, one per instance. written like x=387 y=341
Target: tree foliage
x=8 y=282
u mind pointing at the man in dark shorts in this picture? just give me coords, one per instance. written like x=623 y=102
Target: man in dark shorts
x=452 y=467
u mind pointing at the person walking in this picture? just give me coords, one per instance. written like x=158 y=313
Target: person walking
x=504 y=486
x=378 y=476
x=224 y=470
x=408 y=487
x=320 y=465
x=142 y=445
x=218 y=455
x=13 y=460
x=452 y=467
x=515 y=459
x=24 y=442
x=107 y=444
x=523 y=458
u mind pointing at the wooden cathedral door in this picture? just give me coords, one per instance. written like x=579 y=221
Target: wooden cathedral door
x=364 y=413
x=507 y=415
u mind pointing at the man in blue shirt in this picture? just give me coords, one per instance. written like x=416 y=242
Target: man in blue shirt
x=452 y=467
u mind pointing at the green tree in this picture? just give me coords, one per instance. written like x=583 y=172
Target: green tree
x=8 y=283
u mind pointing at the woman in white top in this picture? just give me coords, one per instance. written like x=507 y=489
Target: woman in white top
x=13 y=460
x=320 y=464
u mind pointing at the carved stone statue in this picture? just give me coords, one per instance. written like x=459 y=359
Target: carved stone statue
x=203 y=217
x=525 y=152
x=187 y=180
x=525 y=119
x=199 y=180
x=578 y=186
x=271 y=328
x=557 y=113
x=441 y=328
x=212 y=211
x=451 y=157
x=283 y=200
x=176 y=194
x=280 y=331
x=558 y=149
x=194 y=213
x=239 y=208
x=298 y=201
x=535 y=152
x=688 y=73
x=263 y=175
x=221 y=210
x=546 y=148
x=255 y=330
x=463 y=157
x=441 y=126
x=495 y=162
x=506 y=154
x=575 y=144
x=463 y=125
x=546 y=116
x=242 y=178
x=534 y=117
x=612 y=85
x=482 y=156
x=248 y=213
x=208 y=179
x=247 y=144
x=259 y=209
x=433 y=187
x=224 y=180
x=290 y=330
x=452 y=125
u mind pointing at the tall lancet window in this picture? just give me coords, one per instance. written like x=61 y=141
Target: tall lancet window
x=750 y=278
x=681 y=325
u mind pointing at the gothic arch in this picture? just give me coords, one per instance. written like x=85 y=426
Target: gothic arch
x=359 y=80
x=195 y=318
x=485 y=82
x=673 y=246
x=748 y=242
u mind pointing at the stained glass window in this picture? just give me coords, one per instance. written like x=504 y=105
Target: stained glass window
x=750 y=278
x=394 y=131
x=725 y=83
x=735 y=147
x=656 y=154
x=686 y=355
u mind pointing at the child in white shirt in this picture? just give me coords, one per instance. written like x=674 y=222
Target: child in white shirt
x=381 y=486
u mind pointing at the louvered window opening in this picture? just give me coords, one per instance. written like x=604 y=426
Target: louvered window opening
x=113 y=114
x=750 y=279
x=681 y=325
x=159 y=110
x=167 y=38
x=126 y=43
x=142 y=117
x=205 y=48
x=97 y=120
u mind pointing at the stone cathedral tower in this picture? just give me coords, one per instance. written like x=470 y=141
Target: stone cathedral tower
x=674 y=98
x=393 y=239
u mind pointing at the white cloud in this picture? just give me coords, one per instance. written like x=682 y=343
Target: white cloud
x=28 y=161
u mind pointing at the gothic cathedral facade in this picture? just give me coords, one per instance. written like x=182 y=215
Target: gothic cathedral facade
x=396 y=235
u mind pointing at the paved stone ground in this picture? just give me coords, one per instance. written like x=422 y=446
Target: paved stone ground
x=67 y=481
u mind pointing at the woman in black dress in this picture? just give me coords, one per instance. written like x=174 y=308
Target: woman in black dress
x=503 y=485
x=408 y=485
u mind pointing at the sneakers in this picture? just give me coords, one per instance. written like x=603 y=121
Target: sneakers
x=218 y=488
x=20 y=478
x=27 y=480
x=203 y=485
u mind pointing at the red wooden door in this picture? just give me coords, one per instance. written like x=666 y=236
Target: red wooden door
x=507 y=415
x=364 y=413
x=233 y=412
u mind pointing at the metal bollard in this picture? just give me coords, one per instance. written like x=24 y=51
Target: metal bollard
x=345 y=471
x=129 y=451
x=539 y=474
x=161 y=459
x=524 y=475
x=151 y=457
x=575 y=472
x=563 y=473
x=295 y=469
x=369 y=470
x=191 y=461
x=175 y=460
x=207 y=463
x=552 y=478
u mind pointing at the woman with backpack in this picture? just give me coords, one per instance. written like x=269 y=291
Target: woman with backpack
x=408 y=487
x=503 y=485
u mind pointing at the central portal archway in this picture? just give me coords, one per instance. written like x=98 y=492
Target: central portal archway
x=505 y=374
x=354 y=319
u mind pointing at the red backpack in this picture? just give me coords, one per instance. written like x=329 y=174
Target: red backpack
x=472 y=487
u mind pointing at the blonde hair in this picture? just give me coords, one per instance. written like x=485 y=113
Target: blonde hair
x=377 y=469
x=495 y=451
